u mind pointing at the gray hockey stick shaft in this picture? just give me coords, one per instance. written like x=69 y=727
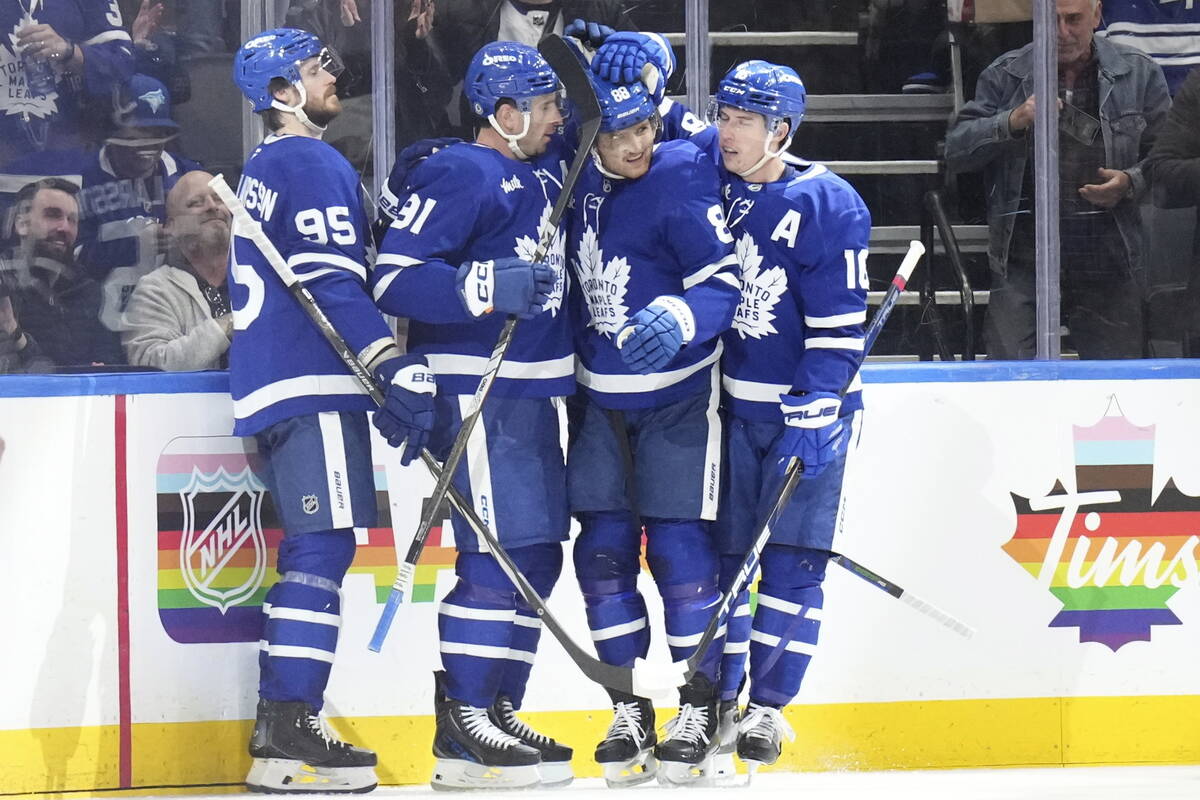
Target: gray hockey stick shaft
x=579 y=87
x=630 y=680
x=795 y=470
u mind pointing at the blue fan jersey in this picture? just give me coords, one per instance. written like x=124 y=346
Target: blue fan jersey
x=95 y=25
x=1165 y=30
x=468 y=202
x=119 y=218
x=802 y=244
x=634 y=240
x=306 y=196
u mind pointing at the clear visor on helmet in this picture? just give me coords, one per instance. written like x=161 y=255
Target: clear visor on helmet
x=723 y=115
x=561 y=101
x=327 y=60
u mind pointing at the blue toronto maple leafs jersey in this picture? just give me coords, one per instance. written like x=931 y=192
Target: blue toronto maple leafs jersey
x=95 y=25
x=305 y=195
x=1166 y=30
x=468 y=202
x=802 y=245
x=634 y=240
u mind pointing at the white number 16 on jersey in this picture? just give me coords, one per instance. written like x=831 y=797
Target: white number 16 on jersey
x=856 y=270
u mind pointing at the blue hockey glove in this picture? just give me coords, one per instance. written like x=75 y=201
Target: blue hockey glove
x=628 y=56
x=507 y=285
x=592 y=34
x=654 y=335
x=812 y=431
x=407 y=411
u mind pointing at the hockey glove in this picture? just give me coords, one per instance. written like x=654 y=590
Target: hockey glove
x=627 y=56
x=654 y=335
x=592 y=34
x=812 y=430
x=407 y=411
x=507 y=285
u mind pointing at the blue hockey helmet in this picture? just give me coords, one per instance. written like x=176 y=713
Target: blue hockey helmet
x=622 y=105
x=276 y=54
x=507 y=70
x=764 y=88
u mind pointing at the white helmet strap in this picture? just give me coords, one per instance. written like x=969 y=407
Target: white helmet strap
x=510 y=138
x=298 y=109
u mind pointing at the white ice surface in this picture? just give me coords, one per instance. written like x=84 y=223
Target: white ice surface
x=1071 y=783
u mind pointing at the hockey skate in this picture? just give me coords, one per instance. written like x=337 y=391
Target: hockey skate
x=295 y=752
x=685 y=755
x=723 y=768
x=472 y=753
x=627 y=752
x=759 y=736
x=555 y=769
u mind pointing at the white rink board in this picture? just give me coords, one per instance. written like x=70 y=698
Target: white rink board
x=930 y=509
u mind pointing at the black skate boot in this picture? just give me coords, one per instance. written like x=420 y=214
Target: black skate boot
x=627 y=752
x=555 y=769
x=685 y=756
x=295 y=752
x=759 y=735
x=727 y=734
x=472 y=753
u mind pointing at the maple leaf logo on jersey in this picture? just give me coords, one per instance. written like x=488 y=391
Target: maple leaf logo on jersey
x=761 y=290
x=603 y=285
x=18 y=99
x=526 y=248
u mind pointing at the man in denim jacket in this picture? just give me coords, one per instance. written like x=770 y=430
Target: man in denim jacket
x=1112 y=99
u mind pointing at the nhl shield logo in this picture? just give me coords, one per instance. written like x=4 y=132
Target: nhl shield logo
x=210 y=543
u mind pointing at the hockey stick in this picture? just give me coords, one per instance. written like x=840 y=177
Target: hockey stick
x=795 y=470
x=579 y=88
x=903 y=595
x=642 y=679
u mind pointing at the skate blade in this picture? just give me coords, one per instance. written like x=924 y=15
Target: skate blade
x=679 y=773
x=455 y=775
x=751 y=769
x=634 y=772
x=555 y=774
x=723 y=771
x=288 y=776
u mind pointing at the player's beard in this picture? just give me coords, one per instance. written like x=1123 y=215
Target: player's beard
x=325 y=113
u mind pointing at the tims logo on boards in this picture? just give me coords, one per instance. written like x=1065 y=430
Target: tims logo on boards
x=218 y=535
x=1112 y=551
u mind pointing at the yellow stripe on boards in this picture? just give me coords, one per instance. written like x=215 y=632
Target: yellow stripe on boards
x=1019 y=732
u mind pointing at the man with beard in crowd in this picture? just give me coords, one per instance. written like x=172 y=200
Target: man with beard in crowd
x=52 y=299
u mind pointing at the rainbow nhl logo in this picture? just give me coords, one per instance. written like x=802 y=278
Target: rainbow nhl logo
x=1112 y=551
x=218 y=536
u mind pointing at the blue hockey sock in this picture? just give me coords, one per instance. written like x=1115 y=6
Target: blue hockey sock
x=683 y=560
x=541 y=564
x=737 y=635
x=787 y=622
x=475 y=626
x=302 y=616
x=607 y=562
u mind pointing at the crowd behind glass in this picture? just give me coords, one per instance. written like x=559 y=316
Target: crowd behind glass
x=116 y=115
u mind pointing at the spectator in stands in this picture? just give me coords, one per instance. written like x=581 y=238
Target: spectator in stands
x=52 y=298
x=441 y=36
x=178 y=316
x=156 y=50
x=1112 y=101
x=18 y=351
x=61 y=53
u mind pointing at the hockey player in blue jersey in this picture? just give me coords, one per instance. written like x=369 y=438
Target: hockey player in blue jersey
x=797 y=340
x=655 y=285
x=456 y=260
x=306 y=411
